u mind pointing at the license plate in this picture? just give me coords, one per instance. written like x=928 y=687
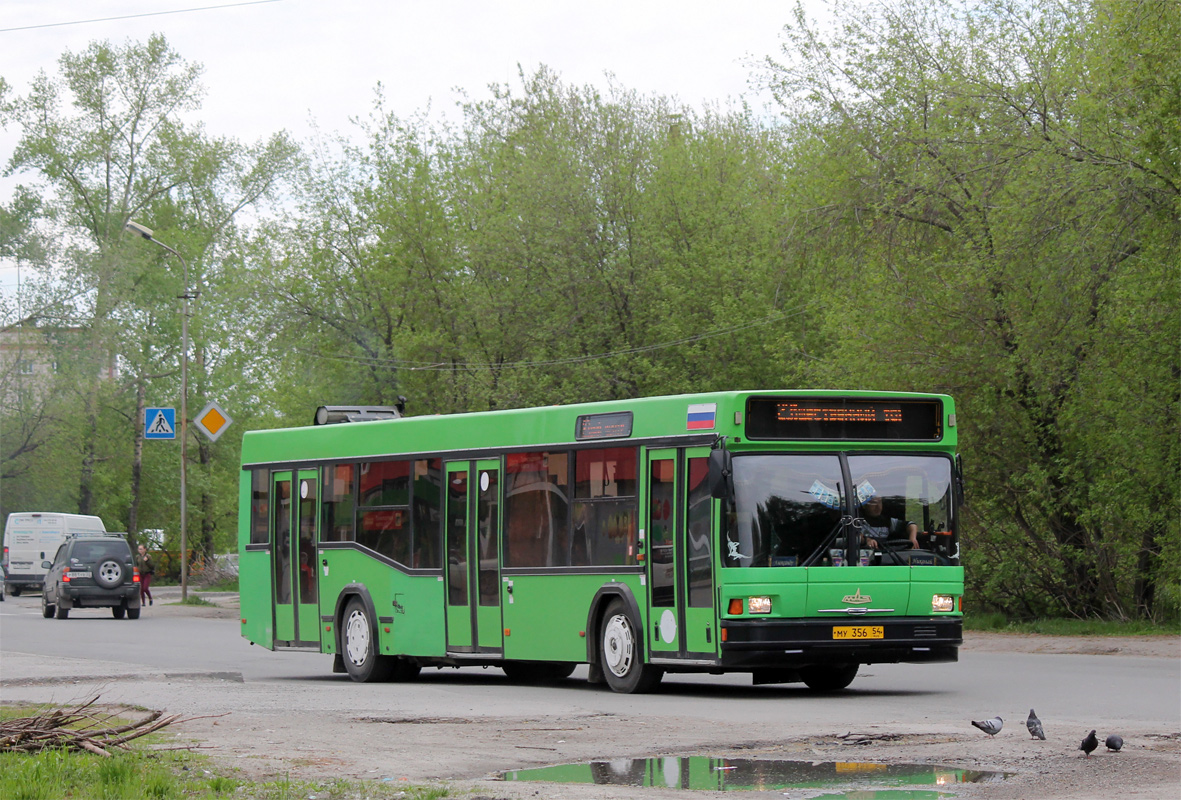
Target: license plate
x=859 y=632
x=77 y=575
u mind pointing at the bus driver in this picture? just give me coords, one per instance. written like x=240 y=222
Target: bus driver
x=877 y=528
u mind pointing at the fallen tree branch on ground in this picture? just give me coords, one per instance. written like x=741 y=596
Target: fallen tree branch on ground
x=81 y=727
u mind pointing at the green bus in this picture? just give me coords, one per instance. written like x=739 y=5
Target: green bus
x=792 y=535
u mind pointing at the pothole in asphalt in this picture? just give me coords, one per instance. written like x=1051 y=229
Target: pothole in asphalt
x=809 y=780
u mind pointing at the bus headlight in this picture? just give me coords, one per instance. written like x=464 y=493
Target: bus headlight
x=759 y=605
x=942 y=602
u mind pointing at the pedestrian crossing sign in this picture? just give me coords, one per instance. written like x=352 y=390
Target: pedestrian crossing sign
x=159 y=423
x=213 y=421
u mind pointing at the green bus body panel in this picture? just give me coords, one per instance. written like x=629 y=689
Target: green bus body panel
x=802 y=591
x=414 y=602
x=546 y=619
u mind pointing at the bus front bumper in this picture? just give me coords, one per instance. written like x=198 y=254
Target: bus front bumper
x=771 y=643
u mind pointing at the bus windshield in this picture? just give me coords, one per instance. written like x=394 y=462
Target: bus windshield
x=786 y=508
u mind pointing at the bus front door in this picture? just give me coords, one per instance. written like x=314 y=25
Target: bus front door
x=473 y=547
x=294 y=514
x=682 y=623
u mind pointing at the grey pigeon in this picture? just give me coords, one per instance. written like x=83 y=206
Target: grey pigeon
x=1089 y=744
x=1114 y=743
x=990 y=726
x=1035 y=726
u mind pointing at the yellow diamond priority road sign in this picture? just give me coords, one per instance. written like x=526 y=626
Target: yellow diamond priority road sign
x=212 y=421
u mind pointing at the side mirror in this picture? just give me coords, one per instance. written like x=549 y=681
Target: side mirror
x=46 y=565
x=721 y=474
x=959 y=475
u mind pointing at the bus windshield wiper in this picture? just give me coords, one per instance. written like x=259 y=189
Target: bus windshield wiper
x=832 y=535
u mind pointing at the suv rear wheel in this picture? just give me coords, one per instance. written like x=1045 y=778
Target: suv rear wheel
x=61 y=613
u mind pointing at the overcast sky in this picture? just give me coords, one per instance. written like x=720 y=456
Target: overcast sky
x=279 y=64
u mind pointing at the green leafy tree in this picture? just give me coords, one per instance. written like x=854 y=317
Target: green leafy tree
x=105 y=141
x=1002 y=234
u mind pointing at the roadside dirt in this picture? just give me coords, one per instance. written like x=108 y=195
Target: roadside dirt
x=423 y=750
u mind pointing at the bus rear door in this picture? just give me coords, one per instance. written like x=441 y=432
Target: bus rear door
x=294 y=516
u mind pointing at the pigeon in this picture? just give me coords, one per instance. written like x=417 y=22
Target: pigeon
x=1114 y=743
x=1035 y=726
x=1089 y=744
x=990 y=726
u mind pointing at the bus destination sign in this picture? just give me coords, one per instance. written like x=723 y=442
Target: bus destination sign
x=843 y=418
x=617 y=425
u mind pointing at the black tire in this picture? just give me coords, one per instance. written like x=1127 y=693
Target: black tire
x=118 y=611
x=133 y=613
x=110 y=574
x=46 y=607
x=16 y=591
x=358 y=644
x=537 y=671
x=828 y=677
x=61 y=613
x=621 y=653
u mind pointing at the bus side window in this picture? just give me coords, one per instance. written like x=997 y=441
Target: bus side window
x=426 y=489
x=605 y=512
x=259 y=506
x=338 y=503
x=536 y=510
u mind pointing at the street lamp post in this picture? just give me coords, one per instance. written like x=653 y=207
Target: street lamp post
x=146 y=233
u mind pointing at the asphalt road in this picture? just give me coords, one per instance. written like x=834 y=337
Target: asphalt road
x=1107 y=689
x=174 y=659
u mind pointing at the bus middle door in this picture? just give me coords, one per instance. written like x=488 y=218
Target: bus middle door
x=473 y=549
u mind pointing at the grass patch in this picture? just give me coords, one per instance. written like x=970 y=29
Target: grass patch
x=146 y=774
x=1070 y=627
x=226 y=585
x=194 y=600
x=172 y=775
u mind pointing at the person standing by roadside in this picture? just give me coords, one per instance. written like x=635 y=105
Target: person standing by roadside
x=146 y=571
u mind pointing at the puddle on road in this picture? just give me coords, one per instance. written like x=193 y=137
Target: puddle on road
x=814 y=780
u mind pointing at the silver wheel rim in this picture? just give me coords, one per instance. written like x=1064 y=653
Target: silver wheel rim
x=110 y=571
x=356 y=637
x=618 y=645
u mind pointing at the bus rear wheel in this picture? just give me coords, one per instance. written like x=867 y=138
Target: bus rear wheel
x=828 y=677
x=621 y=655
x=359 y=643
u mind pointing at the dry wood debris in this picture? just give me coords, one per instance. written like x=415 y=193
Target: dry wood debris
x=81 y=727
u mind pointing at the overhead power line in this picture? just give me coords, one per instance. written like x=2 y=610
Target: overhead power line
x=136 y=16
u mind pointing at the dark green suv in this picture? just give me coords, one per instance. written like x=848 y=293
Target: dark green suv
x=91 y=571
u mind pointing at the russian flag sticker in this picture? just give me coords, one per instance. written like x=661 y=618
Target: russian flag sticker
x=701 y=416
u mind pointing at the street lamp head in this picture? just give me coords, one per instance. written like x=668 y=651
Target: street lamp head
x=135 y=227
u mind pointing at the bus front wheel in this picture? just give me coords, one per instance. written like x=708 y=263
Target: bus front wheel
x=359 y=640
x=828 y=677
x=620 y=653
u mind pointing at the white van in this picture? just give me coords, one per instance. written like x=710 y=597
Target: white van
x=32 y=537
